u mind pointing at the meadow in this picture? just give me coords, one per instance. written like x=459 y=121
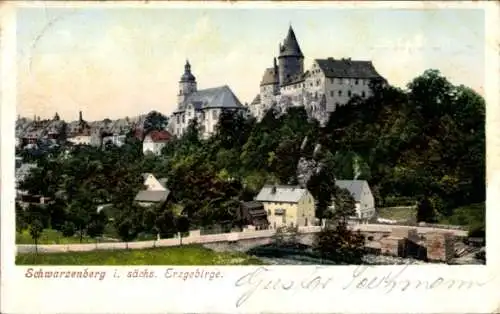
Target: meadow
x=180 y=255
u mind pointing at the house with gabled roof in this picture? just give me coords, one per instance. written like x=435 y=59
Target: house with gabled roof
x=362 y=194
x=154 y=141
x=287 y=205
x=155 y=191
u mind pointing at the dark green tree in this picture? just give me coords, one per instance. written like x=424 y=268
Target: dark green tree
x=182 y=225
x=36 y=229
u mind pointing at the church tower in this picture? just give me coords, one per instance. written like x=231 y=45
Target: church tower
x=291 y=59
x=187 y=84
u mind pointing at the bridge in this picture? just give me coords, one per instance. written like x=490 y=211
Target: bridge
x=238 y=241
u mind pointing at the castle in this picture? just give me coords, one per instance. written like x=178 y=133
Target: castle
x=329 y=83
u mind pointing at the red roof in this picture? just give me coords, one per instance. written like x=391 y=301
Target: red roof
x=160 y=136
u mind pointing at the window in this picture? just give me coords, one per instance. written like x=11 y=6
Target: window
x=183 y=118
x=363 y=94
x=331 y=81
x=178 y=119
x=349 y=93
x=331 y=93
x=214 y=114
x=356 y=82
x=340 y=93
x=317 y=82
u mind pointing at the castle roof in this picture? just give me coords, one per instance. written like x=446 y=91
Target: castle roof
x=270 y=77
x=347 y=68
x=290 y=47
x=294 y=79
x=216 y=97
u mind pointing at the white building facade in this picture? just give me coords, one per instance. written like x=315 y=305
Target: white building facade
x=329 y=83
x=363 y=197
x=155 y=141
x=203 y=105
x=80 y=139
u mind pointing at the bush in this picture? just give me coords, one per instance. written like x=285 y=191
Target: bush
x=68 y=229
x=340 y=244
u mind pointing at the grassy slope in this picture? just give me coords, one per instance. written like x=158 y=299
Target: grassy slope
x=398 y=213
x=185 y=255
x=50 y=236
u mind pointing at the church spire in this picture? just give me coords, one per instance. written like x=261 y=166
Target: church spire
x=187 y=76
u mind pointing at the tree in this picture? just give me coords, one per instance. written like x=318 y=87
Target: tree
x=182 y=225
x=340 y=244
x=154 y=121
x=96 y=225
x=344 y=205
x=322 y=187
x=126 y=231
x=68 y=229
x=425 y=211
x=165 y=224
x=36 y=229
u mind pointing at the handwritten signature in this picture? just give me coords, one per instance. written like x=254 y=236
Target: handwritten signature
x=256 y=280
x=362 y=278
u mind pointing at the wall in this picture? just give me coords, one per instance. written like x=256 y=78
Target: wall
x=307 y=236
x=80 y=140
x=154 y=147
x=306 y=210
x=337 y=91
x=367 y=202
x=276 y=221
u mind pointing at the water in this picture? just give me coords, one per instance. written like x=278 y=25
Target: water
x=369 y=259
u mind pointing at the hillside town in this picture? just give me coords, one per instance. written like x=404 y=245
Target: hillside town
x=369 y=168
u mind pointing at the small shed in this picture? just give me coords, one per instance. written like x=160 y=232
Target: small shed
x=253 y=213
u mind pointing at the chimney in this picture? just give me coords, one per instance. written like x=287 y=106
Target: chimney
x=275 y=64
x=273 y=189
x=80 y=116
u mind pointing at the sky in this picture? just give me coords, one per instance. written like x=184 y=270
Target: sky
x=117 y=62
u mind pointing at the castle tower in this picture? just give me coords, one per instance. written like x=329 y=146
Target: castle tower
x=187 y=84
x=291 y=59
